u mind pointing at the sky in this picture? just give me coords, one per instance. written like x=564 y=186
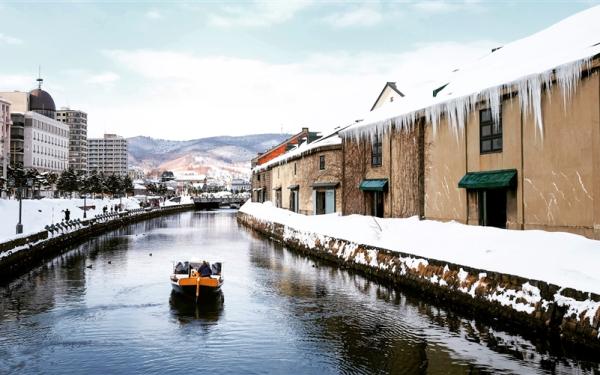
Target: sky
x=191 y=69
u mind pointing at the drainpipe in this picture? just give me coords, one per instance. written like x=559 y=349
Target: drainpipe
x=391 y=179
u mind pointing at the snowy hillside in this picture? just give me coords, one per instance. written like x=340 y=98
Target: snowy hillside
x=214 y=155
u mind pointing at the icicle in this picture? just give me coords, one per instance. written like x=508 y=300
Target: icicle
x=567 y=77
x=493 y=96
x=529 y=89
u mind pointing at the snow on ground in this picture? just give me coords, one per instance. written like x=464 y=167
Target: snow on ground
x=564 y=259
x=184 y=199
x=37 y=213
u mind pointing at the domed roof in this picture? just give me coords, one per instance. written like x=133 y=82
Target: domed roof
x=41 y=100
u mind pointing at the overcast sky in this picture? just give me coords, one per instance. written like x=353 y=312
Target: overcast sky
x=184 y=69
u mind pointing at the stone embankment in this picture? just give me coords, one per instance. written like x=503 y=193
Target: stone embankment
x=530 y=304
x=23 y=254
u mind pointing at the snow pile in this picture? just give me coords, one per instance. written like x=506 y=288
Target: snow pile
x=36 y=214
x=563 y=259
x=527 y=65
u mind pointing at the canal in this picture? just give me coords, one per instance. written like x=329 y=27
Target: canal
x=281 y=313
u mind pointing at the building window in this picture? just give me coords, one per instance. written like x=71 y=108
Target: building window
x=294 y=169
x=376 y=151
x=322 y=162
x=490 y=134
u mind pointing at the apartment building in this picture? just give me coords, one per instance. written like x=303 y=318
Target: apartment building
x=108 y=155
x=78 y=148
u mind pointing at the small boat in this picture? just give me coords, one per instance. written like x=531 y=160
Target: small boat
x=197 y=278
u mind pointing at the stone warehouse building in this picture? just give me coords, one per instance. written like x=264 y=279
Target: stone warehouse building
x=383 y=171
x=512 y=141
x=306 y=179
x=261 y=181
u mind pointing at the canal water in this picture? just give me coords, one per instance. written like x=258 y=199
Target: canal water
x=279 y=313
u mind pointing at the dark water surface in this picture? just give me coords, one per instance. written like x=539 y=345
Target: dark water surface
x=279 y=314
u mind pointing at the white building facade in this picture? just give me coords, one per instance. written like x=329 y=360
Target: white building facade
x=5 y=123
x=37 y=140
x=239 y=185
x=46 y=143
x=107 y=155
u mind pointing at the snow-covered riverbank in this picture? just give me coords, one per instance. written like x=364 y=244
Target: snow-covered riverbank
x=563 y=259
x=37 y=213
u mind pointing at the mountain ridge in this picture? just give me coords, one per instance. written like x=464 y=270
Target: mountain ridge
x=217 y=155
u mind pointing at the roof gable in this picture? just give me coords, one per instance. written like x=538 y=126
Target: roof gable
x=389 y=91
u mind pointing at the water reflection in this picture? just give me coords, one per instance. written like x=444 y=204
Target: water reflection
x=208 y=309
x=285 y=313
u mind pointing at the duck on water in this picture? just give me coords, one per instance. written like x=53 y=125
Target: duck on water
x=197 y=278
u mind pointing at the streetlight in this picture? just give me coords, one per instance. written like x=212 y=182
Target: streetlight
x=84 y=205
x=19 y=225
x=20 y=190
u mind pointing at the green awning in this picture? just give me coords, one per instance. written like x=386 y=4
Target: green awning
x=505 y=178
x=374 y=185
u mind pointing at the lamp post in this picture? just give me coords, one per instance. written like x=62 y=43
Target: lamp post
x=84 y=205
x=29 y=182
x=19 y=225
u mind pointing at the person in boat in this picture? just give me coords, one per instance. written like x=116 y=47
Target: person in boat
x=180 y=268
x=205 y=269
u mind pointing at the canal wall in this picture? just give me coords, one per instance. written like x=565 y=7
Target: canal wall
x=535 y=305
x=25 y=253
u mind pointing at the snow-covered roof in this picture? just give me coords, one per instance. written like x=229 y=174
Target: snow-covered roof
x=330 y=138
x=559 y=52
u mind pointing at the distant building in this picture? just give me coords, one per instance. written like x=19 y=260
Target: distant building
x=37 y=139
x=5 y=123
x=239 y=185
x=139 y=187
x=108 y=155
x=77 y=122
x=167 y=176
x=136 y=173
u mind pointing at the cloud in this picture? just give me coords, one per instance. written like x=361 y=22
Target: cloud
x=445 y=6
x=215 y=95
x=7 y=39
x=153 y=14
x=257 y=13
x=16 y=82
x=368 y=15
x=106 y=78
